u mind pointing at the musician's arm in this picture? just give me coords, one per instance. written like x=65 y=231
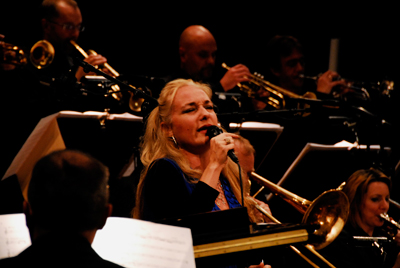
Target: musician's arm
x=166 y=195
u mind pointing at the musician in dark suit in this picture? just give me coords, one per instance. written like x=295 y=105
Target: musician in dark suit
x=62 y=22
x=68 y=202
x=197 y=59
x=286 y=62
x=368 y=192
x=197 y=54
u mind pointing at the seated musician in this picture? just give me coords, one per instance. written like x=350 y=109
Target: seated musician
x=68 y=203
x=185 y=172
x=368 y=193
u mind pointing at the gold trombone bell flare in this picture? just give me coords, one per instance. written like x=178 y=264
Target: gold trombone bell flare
x=329 y=210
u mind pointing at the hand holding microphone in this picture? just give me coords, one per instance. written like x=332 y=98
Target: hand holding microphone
x=213 y=131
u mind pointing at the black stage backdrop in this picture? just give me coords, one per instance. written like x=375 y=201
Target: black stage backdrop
x=141 y=37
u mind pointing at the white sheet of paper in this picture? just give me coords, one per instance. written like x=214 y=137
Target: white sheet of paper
x=14 y=235
x=136 y=243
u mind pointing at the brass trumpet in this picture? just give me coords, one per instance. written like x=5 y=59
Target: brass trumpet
x=384 y=87
x=12 y=55
x=42 y=54
x=276 y=98
x=135 y=103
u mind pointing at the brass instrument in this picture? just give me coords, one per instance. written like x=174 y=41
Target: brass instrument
x=272 y=218
x=276 y=98
x=384 y=87
x=386 y=217
x=135 y=103
x=42 y=54
x=329 y=210
x=12 y=55
x=392 y=227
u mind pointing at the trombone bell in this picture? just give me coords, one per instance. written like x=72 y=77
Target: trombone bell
x=329 y=211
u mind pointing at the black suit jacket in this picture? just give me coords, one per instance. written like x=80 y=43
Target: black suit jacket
x=53 y=250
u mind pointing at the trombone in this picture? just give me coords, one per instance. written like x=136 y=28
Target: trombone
x=329 y=210
x=393 y=225
x=276 y=98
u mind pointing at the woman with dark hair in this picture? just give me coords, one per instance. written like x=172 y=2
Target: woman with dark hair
x=368 y=192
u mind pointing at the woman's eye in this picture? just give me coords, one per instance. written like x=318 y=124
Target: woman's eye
x=188 y=110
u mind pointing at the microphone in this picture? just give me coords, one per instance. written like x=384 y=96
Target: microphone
x=213 y=131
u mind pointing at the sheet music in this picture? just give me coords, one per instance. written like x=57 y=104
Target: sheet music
x=136 y=243
x=98 y=115
x=14 y=235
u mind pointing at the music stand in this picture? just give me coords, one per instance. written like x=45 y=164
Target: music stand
x=319 y=168
x=261 y=135
x=92 y=132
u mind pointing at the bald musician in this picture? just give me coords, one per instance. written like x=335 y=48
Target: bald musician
x=197 y=57
x=198 y=51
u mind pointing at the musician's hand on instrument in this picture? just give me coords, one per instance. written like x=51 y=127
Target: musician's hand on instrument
x=260 y=100
x=95 y=60
x=237 y=74
x=327 y=81
x=258 y=105
x=262 y=93
x=264 y=207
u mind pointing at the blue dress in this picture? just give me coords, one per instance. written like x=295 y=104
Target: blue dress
x=167 y=193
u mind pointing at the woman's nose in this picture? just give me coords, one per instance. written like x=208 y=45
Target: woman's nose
x=385 y=205
x=204 y=113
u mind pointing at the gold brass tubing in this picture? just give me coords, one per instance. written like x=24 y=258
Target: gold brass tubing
x=250 y=243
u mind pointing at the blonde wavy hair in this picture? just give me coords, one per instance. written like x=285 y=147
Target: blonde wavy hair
x=157 y=144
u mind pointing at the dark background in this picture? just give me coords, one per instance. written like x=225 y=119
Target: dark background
x=141 y=38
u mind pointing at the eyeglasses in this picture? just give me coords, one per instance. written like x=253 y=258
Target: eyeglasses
x=69 y=27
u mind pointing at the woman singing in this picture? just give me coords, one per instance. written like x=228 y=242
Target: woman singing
x=184 y=171
x=368 y=193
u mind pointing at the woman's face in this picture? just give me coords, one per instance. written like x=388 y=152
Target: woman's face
x=191 y=113
x=375 y=202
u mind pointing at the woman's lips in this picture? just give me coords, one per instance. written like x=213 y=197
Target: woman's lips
x=204 y=128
